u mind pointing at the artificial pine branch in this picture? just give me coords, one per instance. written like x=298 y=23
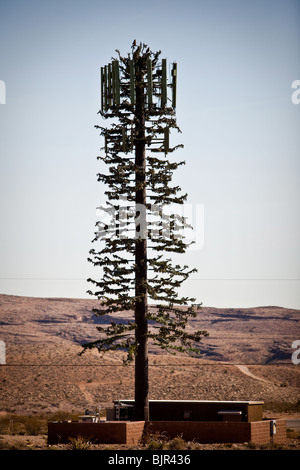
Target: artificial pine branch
x=116 y=289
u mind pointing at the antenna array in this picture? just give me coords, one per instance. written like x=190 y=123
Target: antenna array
x=118 y=92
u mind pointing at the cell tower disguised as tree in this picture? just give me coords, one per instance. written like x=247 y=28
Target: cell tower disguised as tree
x=137 y=236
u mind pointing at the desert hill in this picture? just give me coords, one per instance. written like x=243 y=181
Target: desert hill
x=44 y=372
x=251 y=335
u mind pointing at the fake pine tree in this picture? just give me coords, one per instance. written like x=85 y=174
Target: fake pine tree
x=136 y=236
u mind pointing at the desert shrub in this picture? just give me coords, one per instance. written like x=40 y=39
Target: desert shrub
x=18 y=424
x=61 y=415
x=177 y=444
x=33 y=425
x=282 y=407
x=266 y=446
x=11 y=424
x=272 y=446
x=5 y=424
x=228 y=445
x=156 y=441
x=17 y=445
x=160 y=442
x=3 y=445
x=252 y=445
x=156 y=444
x=79 y=443
x=293 y=434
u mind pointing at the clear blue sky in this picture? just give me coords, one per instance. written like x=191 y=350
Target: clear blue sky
x=240 y=130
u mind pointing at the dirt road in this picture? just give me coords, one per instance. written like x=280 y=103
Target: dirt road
x=246 y=371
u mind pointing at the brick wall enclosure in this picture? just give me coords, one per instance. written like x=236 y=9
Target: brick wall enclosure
x=202 y=431
x=207 y=432
x=130 y=432
x=111 y=432
x=260 y=432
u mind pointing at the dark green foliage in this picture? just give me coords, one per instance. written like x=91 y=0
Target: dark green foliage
x=169 y=313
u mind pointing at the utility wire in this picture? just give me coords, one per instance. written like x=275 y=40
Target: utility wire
x=195 y=279
x=150 y=365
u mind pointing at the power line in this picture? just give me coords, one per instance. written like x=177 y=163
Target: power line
x=195 y=279
x=41 y=279
x=150 y=365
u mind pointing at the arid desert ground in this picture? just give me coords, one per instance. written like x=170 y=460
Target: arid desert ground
x=247 y=356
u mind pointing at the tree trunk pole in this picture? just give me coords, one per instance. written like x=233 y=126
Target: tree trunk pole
x=141 y=302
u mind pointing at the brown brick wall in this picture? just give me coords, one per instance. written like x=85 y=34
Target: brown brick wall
x=134 y=432
x=280 y=437
x=257 y=432
x=124 y=432
x=260 y=432
x=106 y=433
x=202 y=431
